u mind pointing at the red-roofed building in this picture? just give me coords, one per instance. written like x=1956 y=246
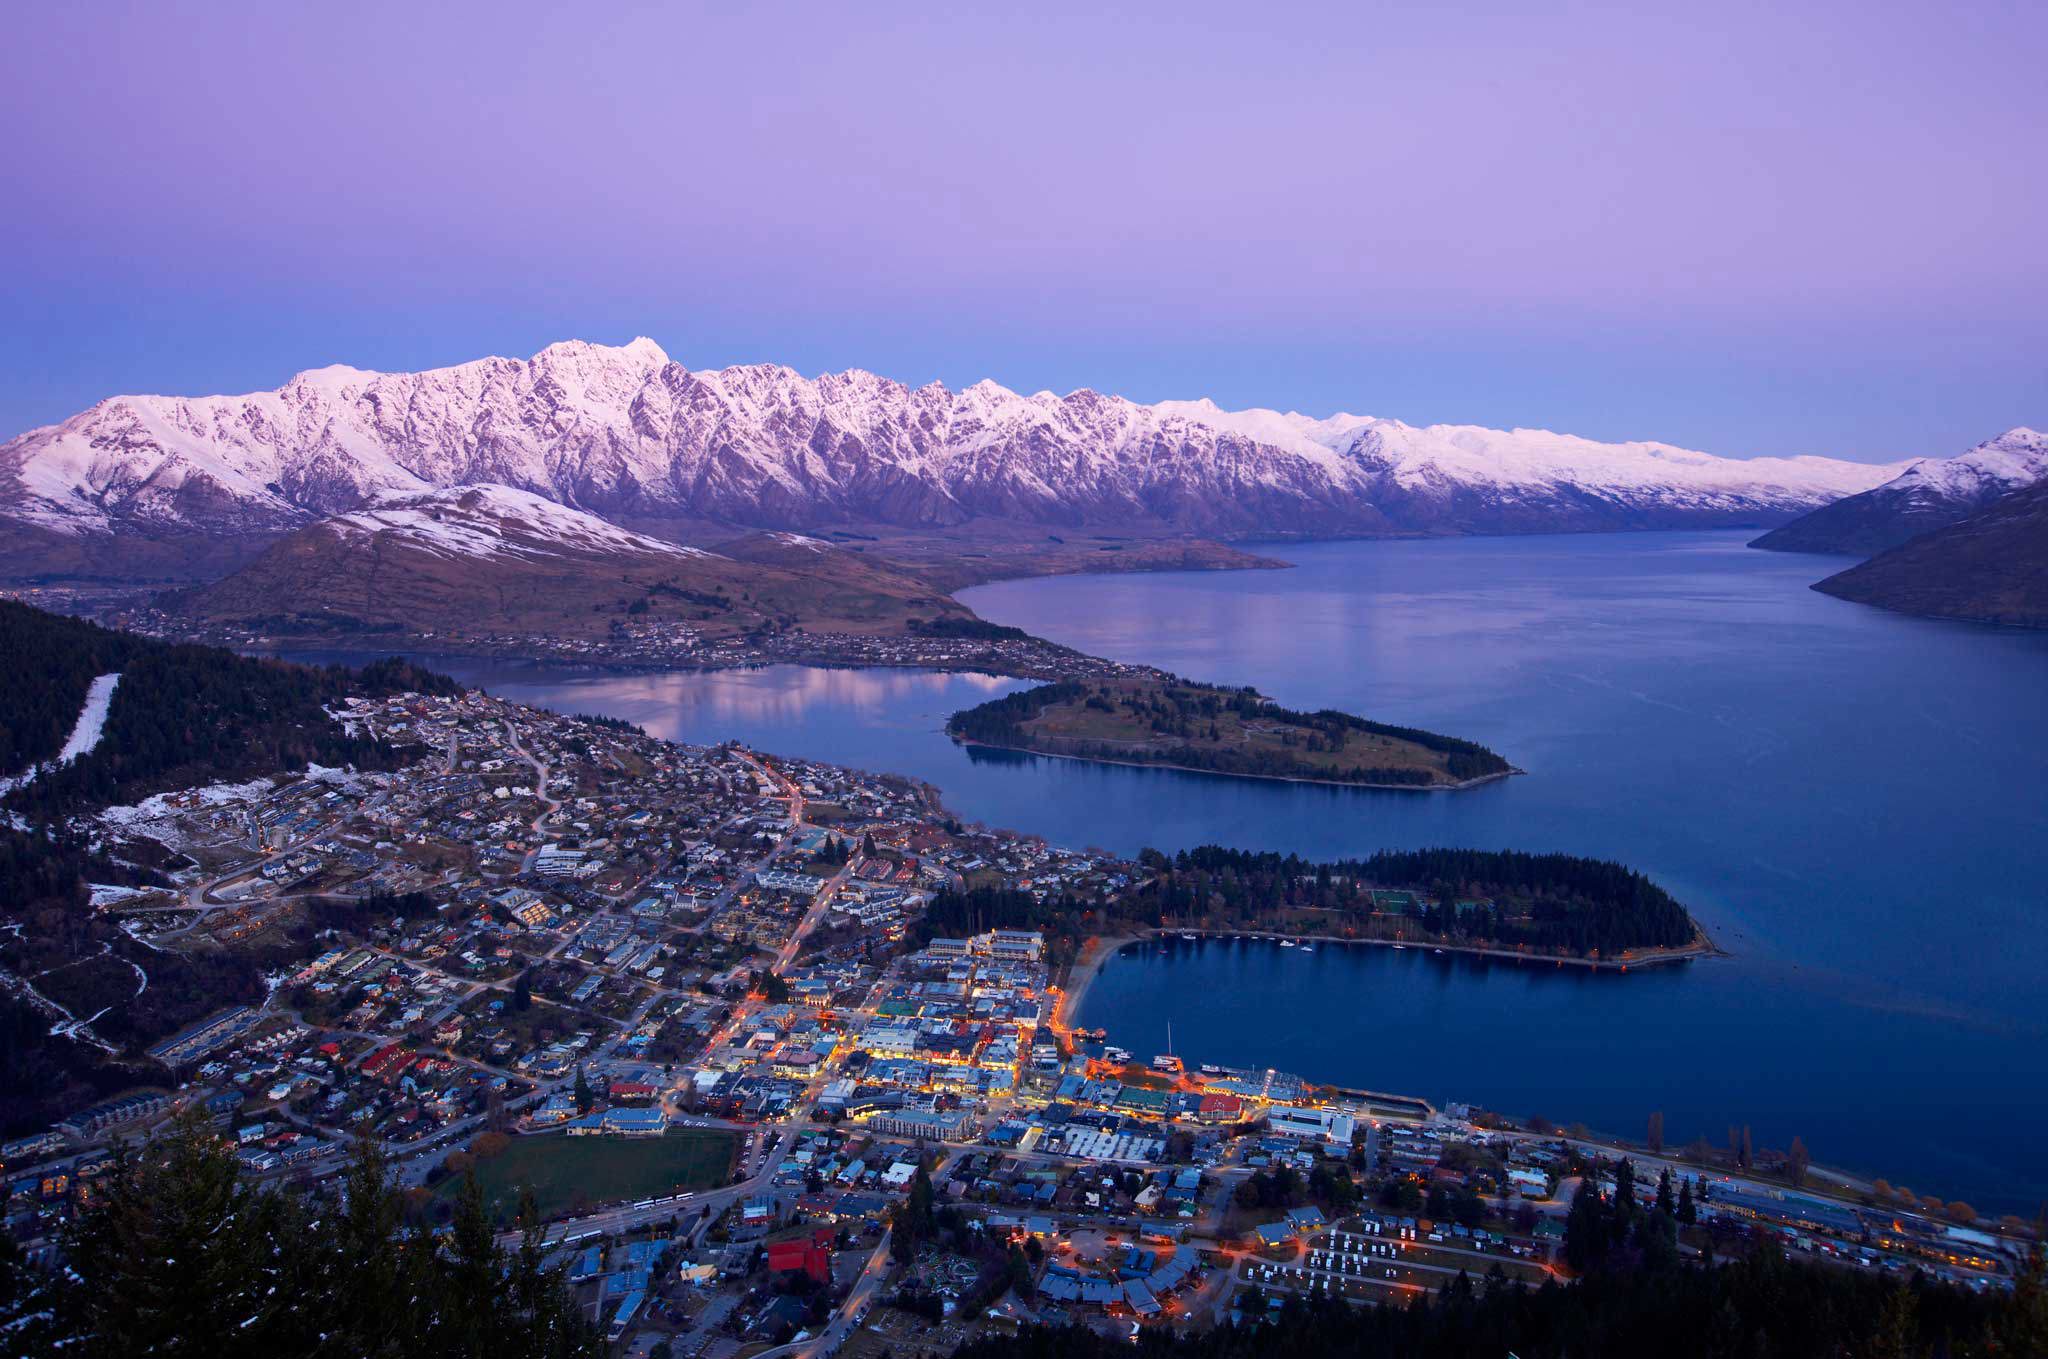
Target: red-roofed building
x=812 y=1254
x=386 y=1062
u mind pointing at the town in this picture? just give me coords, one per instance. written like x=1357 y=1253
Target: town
x=629 y=642
x=697 y=1002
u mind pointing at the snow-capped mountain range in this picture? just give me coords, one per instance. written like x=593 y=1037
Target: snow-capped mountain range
x=1930 y=494
x=626 y=434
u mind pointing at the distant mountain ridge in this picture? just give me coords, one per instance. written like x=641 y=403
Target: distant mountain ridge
x=626 y=434
x=1989 y=567
x=1930 y=494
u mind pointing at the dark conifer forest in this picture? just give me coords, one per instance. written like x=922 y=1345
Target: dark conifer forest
x=180 y=715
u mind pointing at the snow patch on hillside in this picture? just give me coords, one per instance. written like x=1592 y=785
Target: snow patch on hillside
x=499 y=521
x=85 y=732
x=140 y=817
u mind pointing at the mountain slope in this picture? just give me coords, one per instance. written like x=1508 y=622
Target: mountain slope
x=1930 y=494
x=489 y=559
x=1990 y=568
x=179 y=715
x=627 y=434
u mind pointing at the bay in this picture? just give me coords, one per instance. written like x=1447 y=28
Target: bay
x=1852 y=801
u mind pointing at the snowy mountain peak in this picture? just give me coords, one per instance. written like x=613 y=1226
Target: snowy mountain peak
x=2016 y=458
x=1928 y=495
x=624 y=432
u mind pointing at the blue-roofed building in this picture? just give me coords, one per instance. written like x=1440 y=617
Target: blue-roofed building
x=1274 y=1234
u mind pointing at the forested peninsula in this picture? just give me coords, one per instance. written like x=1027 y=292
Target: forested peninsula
x=1556 y=906
x=1179 y=724
x=1553 y=905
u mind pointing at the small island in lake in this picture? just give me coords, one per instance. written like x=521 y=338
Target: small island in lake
x=1176 y=723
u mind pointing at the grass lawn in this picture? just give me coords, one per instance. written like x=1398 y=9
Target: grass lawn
x=570 y=1172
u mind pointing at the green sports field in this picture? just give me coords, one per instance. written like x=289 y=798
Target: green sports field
x=568 y=1173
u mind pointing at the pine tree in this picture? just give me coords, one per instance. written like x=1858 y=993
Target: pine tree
x=1898 y=1327
x=1688 y=1212
x=178 y=1256
x=1585 y=1228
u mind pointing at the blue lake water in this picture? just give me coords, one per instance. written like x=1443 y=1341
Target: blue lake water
x=1855 y=803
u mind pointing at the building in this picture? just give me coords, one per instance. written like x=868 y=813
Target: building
x=920 y=1126
x=810 y=1253
x=798 y=884
x=114 y=1114
x=1018 y=946
x=1312 y=1125
x=648 y=1122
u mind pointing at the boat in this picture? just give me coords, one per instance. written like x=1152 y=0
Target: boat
x=1286 y=943
x=1188 y=935
x=1436 y=950
x=1308 y=948
x=1400 y=946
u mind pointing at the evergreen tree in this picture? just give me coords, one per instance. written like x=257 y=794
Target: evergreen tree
x=1585 y=1228
x=178 y=1256
x=1687 y=1212
x=1625 y=1193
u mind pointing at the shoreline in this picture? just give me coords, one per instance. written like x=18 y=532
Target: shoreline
x=1087 y=966
x=1459 y=787
x=275 y=648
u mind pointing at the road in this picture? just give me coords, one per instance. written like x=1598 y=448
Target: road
x=549 y=806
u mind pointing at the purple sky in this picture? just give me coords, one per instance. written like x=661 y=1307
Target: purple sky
x=1750 y=228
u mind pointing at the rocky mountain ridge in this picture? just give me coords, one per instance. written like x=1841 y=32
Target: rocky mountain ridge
x=1930 y=494
x=628 y=435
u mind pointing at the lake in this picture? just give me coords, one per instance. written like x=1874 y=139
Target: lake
x=1855 y=803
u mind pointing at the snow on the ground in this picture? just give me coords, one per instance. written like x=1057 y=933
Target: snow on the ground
x=334 y=776
x=92 y=719
x=132 y=927
x=140 y=815
x=105 y=895
x=85 y=732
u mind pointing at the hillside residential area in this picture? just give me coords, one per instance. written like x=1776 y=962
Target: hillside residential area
x=694 y=1000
